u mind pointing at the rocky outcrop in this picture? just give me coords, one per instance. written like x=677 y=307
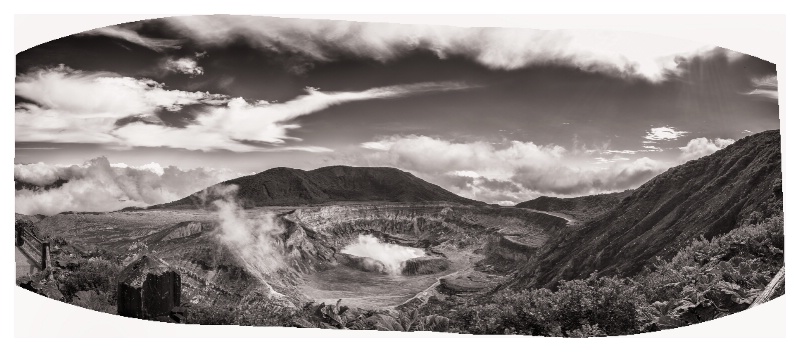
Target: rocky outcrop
x=148 y=288
x=177 y=231
x=188 y=229
x=425 y=265
x=361 y=263
x=466 y=283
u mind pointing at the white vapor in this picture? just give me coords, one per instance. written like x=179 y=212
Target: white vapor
x=96 y=185
x=79 y=107
x=254 y=241
x=615 y=53
x=389 y=254
x=700 y=147
x=132 y=36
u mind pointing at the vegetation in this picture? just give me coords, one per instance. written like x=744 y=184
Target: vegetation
x=581 y=208
x=86 y=278
x=705 y=280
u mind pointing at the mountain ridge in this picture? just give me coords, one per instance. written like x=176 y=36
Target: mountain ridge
x=581 y=208
x=702 y=198
x=287 y=186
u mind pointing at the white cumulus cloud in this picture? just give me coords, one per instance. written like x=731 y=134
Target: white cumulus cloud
x=98 y=185
x=665 y=133
x=514 y=171
x=185 y=65
x=700 y=147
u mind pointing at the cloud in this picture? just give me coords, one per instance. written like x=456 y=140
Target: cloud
x=97 y=185
x=185 y=65
x=602 y=160
x=515 y=171
x=766 y=86
x=72 y=106
x=130 y=35
x=239 y=121
x=616 y=53
x=77 y=107
x=700 y=147
x=102 y=94
x=665 y=133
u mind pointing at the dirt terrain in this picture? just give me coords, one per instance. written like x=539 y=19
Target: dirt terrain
x=473 y=241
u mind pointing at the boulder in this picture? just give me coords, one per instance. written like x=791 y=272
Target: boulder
x=425 y=265
x=148 y=288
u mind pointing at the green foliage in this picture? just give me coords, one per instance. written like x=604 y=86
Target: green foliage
x=92 y=274
x=608 y=304
x=703 y=281
x=255 y=309
x=95 y=301
x=710 y=279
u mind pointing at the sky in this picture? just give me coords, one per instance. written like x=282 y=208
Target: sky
x=151 y=111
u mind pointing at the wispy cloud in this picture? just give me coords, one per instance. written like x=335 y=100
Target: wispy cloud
x=766 y=86
x=130 y=35
x=616 y=53
x=78 y=107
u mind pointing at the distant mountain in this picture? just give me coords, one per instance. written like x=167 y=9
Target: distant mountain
x=286 y=186
x=581 y=208
x=702 y=198
x=21 y=185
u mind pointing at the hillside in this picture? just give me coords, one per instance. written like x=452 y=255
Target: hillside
x=286 y=186
x=702 y=198
x=581 y=208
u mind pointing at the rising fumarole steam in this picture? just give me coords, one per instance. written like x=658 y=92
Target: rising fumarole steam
x=254 y=241
x=391 y=255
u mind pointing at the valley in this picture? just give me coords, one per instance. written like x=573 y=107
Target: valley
x=660 y=256
x=310 y=239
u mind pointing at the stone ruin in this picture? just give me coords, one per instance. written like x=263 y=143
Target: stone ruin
x=149 y=288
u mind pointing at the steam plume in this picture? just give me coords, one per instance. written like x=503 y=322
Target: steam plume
x=391 y=255
x=254 y=241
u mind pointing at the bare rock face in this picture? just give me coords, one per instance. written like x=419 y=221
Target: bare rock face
x=184 y=230
x=468 y=283
x=425 y=265
x=361 y=263
x=148 y=288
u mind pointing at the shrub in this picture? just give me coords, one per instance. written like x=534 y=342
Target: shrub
x=92 y=274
